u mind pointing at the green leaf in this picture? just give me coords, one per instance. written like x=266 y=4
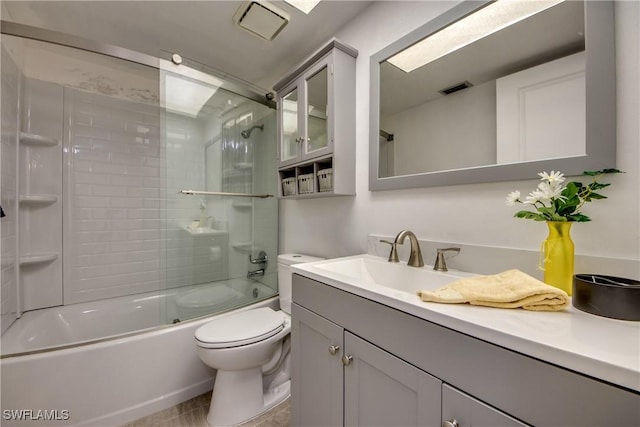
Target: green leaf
x=578 y=218
x=611 y=171
x=595 y=196
x=597 y=186
x=601 y=172
x=572 y=189
x=530 y=215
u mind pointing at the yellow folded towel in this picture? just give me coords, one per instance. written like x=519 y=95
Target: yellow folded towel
x=509 y=289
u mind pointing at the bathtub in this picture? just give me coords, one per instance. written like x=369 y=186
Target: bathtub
x=62 y=376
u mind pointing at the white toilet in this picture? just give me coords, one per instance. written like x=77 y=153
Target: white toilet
x=250 y=351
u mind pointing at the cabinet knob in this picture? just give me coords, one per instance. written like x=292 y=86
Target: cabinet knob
x=450 y=423
x=346 y=360
x=334 y=349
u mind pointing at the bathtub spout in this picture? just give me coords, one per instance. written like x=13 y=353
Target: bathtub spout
x=259 y=272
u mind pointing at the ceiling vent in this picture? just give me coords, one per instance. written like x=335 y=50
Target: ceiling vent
x=455 y=88
x=261 y=18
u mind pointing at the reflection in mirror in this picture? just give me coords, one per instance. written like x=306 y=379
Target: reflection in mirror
x=317 y=111
x=490 y=108
x=290 y=125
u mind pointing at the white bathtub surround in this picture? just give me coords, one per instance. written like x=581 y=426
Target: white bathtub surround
x=112 y=382
x=87 y=322
x=10 y=86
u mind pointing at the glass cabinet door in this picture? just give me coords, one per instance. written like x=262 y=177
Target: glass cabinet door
x=317 y=135
x=290 y=133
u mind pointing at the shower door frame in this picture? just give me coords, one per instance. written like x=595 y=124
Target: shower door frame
x=230 y=83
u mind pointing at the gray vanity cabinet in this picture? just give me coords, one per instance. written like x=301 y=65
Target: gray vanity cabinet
x=461 y=410
x=357 y=362
x=316 y=370
x=382 y=390
x=340 y=379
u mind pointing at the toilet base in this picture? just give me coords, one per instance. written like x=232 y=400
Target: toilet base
x=238 y=397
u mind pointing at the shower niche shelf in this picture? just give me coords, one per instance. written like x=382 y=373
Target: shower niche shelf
x=38 y=199
x=245 y=247
x=34 y=140
x=36 y=259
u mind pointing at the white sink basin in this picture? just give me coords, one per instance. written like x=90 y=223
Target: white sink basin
x=369 y=270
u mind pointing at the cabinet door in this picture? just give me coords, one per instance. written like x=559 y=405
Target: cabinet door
x=316 y=370
x=290 y=125
x=317 y=134
x=467 y=411
x=382 y=390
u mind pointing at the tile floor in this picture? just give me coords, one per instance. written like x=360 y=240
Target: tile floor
x=193 y=413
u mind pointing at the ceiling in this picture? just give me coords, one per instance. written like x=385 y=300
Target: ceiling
x=200 y=30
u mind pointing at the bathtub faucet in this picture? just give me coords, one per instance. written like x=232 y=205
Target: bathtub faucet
x=259 y=272
x=262 y=261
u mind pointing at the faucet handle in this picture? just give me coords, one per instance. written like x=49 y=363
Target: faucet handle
x=440 y=264
x=393 y=255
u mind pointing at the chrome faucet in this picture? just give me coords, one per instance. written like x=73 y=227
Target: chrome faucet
x=440 y=264
x=415 y=256
x=261 y=261
x=258 y=272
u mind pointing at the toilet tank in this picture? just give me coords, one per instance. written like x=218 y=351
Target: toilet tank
x=285 y=261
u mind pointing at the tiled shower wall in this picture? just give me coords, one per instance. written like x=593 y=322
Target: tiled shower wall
x=124 y=228
x=8 y=149
x=113 y=228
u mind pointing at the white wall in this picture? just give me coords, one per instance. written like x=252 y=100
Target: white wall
x=472 y=214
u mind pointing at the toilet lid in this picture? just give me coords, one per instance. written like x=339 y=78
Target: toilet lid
x=245 y=327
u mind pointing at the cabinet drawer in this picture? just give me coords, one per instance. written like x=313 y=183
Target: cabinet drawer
x=468 y=411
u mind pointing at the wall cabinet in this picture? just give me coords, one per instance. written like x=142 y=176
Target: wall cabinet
x=356 y=362
x=316 y=124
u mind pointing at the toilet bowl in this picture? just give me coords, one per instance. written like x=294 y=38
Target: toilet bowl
x=250 y=351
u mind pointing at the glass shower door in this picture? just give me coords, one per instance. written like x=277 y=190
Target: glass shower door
x=220 y=178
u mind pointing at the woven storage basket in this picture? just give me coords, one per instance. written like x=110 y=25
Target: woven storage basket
x=325 y=179
x=305 y=183
x=289 y=186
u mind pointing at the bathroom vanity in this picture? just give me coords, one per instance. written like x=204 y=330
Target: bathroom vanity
x=366 y=354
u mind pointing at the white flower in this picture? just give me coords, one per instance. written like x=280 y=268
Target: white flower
x=549 y=191
x=552 y=178
x=533 y=198
x=513 y=198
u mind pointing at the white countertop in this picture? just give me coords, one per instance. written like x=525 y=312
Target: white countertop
x=596 y=346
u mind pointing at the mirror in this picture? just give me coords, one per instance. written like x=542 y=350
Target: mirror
x=290 y=127
x=536 y=95
x=317 y=111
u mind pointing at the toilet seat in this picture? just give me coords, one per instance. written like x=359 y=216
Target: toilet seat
x=243 y=328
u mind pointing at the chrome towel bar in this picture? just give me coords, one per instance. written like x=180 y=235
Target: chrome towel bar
x=221 y=193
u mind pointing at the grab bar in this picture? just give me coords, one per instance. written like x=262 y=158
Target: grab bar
x=221 y=193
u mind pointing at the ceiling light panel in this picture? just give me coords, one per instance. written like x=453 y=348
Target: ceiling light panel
x=488 y=20
x=305 y=6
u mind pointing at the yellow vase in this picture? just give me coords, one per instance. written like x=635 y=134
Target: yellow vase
x=558 y=252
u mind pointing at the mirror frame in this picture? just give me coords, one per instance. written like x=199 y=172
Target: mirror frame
x=600 y=108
